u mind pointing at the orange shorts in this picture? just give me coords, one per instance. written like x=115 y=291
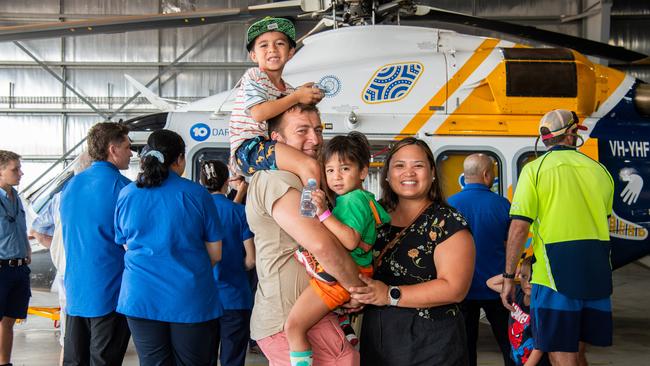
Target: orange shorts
x=335 y=295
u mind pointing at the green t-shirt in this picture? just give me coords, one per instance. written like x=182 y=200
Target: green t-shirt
x=567 y=197
x=354 y=210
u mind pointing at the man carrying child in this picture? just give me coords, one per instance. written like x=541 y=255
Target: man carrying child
x=273 y=215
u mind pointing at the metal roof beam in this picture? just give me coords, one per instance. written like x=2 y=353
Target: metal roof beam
x=132 y=65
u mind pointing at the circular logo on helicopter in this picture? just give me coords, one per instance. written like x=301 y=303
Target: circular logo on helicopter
x=200 y=132
x=330 y=84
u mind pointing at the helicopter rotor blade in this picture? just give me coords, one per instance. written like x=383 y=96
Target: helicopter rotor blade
x=582 y=45
x=324 y=23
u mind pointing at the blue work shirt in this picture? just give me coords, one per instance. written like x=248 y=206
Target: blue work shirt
x=13 y=228
x=94 y=263
x=232 y=279
x=44 y=223
x=168 y=274
x=488 y=216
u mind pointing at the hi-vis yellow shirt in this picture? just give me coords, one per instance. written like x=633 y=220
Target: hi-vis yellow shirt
x=567 y=197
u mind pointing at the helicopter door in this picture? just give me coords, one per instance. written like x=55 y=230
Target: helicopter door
x=450 y=170
x=208 y=153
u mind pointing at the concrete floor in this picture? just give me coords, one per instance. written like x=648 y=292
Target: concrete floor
x=36 y=341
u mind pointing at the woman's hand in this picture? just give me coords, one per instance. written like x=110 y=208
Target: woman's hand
x=352 y=306
x=374 y=293
x=319 y=199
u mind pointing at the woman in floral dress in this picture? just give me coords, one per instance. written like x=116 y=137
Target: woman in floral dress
x=424 y=263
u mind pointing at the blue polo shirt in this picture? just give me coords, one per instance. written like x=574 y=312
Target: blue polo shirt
x=232 y=280
x=94 y=263
x=13 y=228
x=489 y=219
x=168 y=275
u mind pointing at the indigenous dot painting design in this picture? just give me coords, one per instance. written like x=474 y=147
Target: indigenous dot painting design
x=392 y=82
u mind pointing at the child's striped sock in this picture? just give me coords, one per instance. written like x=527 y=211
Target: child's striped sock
x=303 y=358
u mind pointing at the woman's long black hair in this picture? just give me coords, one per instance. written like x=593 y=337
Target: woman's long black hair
x=162 y=150
x=389 y=199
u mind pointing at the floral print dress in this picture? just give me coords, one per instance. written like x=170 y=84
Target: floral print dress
x=410 y=261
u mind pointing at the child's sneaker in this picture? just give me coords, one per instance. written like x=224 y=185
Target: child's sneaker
x=344 y=323
x=312 y=266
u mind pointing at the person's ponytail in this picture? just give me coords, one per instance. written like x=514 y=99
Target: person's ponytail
x=162 y=150
x=214 y=175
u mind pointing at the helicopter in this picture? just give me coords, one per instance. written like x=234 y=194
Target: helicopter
x=460 y=93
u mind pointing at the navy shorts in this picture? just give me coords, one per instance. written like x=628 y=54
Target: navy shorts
x=14 y=291
x=256 y=154
x=559 y=323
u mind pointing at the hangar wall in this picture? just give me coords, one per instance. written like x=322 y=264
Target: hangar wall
x=41 y=119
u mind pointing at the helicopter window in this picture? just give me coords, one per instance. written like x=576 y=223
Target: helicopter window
x=541 y=79
x=450 y=171
x=524 y=159
x=150 y=122
x=210 y=153
x=537 y=54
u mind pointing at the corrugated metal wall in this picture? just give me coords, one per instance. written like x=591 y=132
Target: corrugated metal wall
x=40 y=119
x=629 y=28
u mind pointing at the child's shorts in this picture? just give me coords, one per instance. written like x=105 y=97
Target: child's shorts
x=560 y=322
x=256 y=154
x=335 y=295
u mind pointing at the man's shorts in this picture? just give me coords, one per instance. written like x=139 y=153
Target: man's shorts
x=256 y=154
x=327 y=341
x=335 y=295
x=560 y=322
x=14 y=291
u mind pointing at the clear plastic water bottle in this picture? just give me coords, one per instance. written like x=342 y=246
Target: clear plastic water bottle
x=307 y=207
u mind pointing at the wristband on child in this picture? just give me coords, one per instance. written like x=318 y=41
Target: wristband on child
x=324 y=215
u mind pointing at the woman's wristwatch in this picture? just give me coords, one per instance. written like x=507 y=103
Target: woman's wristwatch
x=394 y=294
x=507 y=275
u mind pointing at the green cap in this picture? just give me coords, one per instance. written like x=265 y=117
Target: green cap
x=270 y=24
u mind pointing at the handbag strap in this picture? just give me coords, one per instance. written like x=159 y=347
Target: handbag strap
x=375 y=214
x=398 y=237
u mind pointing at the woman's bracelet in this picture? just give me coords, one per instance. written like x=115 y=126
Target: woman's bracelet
x=322 y=217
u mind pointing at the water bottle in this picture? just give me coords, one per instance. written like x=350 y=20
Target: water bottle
x=307 y=207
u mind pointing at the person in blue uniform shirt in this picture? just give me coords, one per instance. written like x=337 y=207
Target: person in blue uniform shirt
x=95 y=333
x=15 y=254
x=488 y=216
x=232 y=280
x=171 y=230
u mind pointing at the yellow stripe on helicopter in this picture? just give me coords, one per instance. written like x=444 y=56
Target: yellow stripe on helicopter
x=488 y=111
x=423 y=115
